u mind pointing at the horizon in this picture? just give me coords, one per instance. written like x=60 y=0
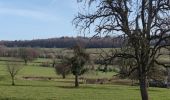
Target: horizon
x=55 y=38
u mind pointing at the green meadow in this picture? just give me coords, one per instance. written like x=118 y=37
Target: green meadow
x=40 y=88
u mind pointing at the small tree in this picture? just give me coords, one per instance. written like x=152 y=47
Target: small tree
x=62 y=69
x=13 y=68
x=27 y=54
x=79 y=59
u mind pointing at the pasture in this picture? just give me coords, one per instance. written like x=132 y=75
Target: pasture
x=34 y=82
x=63 y=89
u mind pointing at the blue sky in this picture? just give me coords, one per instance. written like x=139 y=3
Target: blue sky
x=36 y=19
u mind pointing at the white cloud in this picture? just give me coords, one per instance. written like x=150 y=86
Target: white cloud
x=39 y=15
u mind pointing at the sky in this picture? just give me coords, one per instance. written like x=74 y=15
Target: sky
x=37 y=19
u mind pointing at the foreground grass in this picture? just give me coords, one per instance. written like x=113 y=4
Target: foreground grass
x=63 y=89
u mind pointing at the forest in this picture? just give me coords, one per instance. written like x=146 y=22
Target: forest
x=66 y=42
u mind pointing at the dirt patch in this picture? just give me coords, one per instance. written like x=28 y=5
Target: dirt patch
x=97 y=81
x=115 y=81
x=107 y=81
x=38 y=78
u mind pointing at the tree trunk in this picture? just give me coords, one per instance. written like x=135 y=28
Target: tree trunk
x=76 y=81
x=64 y=76
x=13 y=83
x=53 y=65
x=132 y=82
x=168 y=78
x=143 y=88
x=25 y=62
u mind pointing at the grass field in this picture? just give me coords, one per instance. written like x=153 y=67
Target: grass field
x=63 y=89
x=32 y=90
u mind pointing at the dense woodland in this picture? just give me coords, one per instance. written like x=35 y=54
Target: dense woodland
x=65 y=42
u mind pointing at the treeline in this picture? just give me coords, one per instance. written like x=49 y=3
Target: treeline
x=65 y=42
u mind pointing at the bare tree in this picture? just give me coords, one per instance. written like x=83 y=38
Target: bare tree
x=28 y=54
x=141 y=22
x=62 y=69
x=13 y=68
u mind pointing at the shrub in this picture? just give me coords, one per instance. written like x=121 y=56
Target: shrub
x=45 y=64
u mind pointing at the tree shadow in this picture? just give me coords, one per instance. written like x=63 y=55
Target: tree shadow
x=64 y=81
x=154 y=90
x=86 y=87
x=71 y=86
x=150 y=90
x=67 y=87
x=26 y=85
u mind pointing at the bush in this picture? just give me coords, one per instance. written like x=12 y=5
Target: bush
x=62 y=69
x=46 y=64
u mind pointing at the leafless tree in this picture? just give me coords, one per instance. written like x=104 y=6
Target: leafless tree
x=13 y=68
x=28 y=54
x=64 y=67
x=141 y=22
